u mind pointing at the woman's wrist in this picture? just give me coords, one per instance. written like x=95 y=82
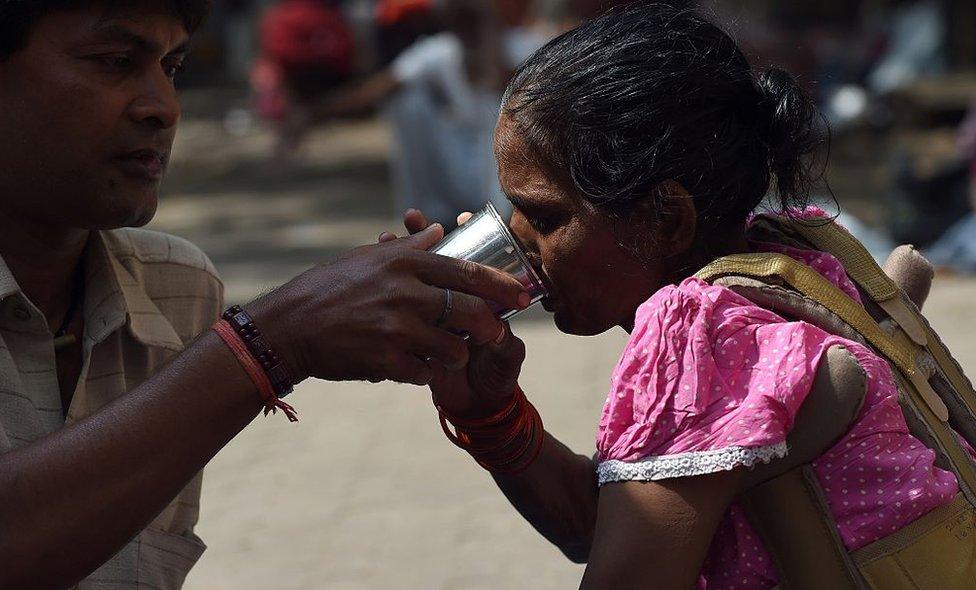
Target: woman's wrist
x=477 y=406
x=505 y=442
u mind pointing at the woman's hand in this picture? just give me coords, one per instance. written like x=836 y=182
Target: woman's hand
x=486 y=384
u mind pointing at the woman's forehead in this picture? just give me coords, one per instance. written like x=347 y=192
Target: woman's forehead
x=522 y=173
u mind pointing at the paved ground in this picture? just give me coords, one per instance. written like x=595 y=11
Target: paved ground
x=365 y=493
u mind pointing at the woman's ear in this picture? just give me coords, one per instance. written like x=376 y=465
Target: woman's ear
x=661 y=226
x=678 y=218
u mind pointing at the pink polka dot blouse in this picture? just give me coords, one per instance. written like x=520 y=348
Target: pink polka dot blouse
x=710 y=382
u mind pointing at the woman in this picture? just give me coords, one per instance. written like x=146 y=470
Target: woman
x=634 y=149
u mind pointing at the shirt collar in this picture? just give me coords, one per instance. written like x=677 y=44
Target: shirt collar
x=114 y=297
x=8 y=284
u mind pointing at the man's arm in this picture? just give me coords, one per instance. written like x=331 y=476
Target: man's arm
x=74 y=498
x=369 y=315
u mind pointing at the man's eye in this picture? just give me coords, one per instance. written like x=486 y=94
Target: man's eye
x=171 y=70
x=117 y=62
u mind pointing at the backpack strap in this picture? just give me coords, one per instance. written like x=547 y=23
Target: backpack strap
x=924 y=401
x=830 y=237
x=806 y=548
x=811 y=284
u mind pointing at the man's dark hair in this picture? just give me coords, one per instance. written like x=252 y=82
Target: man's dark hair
x=653 y=93
x=17 y=17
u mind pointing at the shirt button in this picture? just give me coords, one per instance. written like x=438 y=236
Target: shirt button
x=22 y=313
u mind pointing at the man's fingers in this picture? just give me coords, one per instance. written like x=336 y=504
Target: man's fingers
x=426 y=238
x=442 y=347
x=475 y=279
x=412 y=369
x=462 y=314
x=386 y=237
x=464 y=217
x=474 y=316
x=415 y=221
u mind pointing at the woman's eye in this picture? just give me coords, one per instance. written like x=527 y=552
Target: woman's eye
x=540 y=224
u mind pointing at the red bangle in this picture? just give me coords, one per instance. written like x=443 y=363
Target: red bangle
x=506 y=443
x=260 y=379
x=482 y=422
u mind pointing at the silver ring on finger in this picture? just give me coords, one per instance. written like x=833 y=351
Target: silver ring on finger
x=448 y=308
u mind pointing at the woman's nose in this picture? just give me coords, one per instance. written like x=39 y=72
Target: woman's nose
x=525 y=235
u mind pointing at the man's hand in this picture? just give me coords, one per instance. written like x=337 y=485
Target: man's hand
x=492 y=372
x=373 y=313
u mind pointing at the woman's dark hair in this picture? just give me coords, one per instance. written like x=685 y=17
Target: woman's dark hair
x=17 y=17
x=652 y=93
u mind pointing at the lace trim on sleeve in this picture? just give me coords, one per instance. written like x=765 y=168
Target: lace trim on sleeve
x=688 y=464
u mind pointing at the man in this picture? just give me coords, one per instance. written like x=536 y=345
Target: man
x=108 y=407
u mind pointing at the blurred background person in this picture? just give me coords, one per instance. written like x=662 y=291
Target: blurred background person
x=955 y=250
x=306 y=49
x=441 y=96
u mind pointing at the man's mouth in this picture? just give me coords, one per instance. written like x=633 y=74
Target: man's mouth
x=148 y=165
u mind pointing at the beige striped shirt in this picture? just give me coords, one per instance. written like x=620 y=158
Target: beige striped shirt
x=147 y=295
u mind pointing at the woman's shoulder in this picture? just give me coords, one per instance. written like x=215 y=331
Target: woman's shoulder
x=695 y=302
x=706 y=370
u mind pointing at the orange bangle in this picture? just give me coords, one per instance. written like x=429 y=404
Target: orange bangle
x=506 y=443
x=483 y=422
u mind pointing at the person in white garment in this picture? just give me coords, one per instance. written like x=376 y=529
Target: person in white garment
x=441 y=96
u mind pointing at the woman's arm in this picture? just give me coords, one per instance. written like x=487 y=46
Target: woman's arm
x=657 y=533
x=558 y=495
x=558 y=492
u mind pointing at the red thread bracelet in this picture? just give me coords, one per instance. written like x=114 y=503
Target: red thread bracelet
x=260 y=379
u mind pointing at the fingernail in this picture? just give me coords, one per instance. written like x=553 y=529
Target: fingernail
x=524 y=300
x=501 y=335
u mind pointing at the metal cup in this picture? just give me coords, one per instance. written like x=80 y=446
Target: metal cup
x=486 y=239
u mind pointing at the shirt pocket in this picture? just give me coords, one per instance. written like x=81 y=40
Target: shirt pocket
x=165 y=558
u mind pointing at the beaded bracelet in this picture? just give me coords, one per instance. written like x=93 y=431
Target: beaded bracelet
x=262 y=365
x=276 y=370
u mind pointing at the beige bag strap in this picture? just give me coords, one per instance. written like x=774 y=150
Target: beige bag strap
x=899 y=352
x=806 y=549
x=830 y=237
x=811 y=284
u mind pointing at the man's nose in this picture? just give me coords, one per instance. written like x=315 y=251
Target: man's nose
x=157 y=104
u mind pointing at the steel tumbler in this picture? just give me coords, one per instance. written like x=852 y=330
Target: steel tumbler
x=487 y=240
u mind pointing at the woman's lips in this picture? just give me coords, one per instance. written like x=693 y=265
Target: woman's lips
x=548 y=304
x=147 y=165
